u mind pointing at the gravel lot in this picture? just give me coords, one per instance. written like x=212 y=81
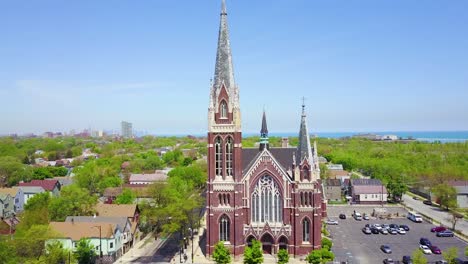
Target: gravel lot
x=352 y=245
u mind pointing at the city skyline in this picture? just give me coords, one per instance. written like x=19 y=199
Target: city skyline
x=373 y=67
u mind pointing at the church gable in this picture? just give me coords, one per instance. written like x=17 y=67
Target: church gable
x=265 y=161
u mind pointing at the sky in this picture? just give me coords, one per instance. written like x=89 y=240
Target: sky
x=361 y=65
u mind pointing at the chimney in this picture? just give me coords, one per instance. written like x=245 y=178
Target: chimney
x=285 y=142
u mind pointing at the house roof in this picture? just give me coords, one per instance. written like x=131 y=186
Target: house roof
x=116 y=210
x=3 y=196
x=152 y=177
x=365 y=182
x=64 y=181
x=458 y=183
x=335 y=173
x=11 y=191
x=32 y=189
x=121 y=222
x=79 y=230
x=283 y=155
x=112 y=191
x=48 y=185
x=332 y=182
x=369 y=189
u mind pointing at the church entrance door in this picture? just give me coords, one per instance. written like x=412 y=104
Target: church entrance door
x=267 y=244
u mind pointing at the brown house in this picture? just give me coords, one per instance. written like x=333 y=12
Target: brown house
x=333 y=190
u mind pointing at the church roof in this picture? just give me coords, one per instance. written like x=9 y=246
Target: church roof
x=224 y=70
x=283 y=155
x=304 y=149
x=264 y=130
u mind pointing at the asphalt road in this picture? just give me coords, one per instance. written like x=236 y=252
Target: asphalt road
x=436 y=213
x=352 y=245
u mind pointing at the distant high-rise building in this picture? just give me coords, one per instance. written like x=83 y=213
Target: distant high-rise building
x=127 y=129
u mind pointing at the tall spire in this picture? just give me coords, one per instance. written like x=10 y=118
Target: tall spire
x=224 y=71
x=304 y=149
x=264 y=134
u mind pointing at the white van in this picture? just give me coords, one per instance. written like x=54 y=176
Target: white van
x=415 y=217
x=357 y=216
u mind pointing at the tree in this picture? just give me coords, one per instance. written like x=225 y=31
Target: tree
x=221 y=254
x=450 y=254
x=26 y=160
x=466 y=251
x=418 y=257
x=396 y=187
x=326 y=243
x=29 y=243
x=253 y=254
x=314 y=257
x=453 y=218
x=55 y=253
x=283 y=256
x=7 y=252
x=85 y=253
x=446 y=194
x=73 y=200
x=126 y=197
x=69 y=154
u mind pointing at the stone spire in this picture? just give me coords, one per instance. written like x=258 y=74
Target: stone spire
x=304 y=149
x=224 y=71
x=264 y=134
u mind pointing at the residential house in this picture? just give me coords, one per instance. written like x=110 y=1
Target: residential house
x=462 y=192
x=52 y=186
x=7 y=205
x=336 y=171
x=140 y=190
x=130 y=211
x=333 y=190
x=104 y=236
x=8 y=225
x=158 y=175
x=30 y=191
x=18 y=197
x=368 y=191
x=63 y=180
x=123 y=223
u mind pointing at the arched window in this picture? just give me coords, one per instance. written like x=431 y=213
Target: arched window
x=267 y=205
x=224 y=225
x=306 y=174
x=229 y=156
x=223 y=109
x=220 y=199
x=218 y=157
x=306 y=230
x=302 y=198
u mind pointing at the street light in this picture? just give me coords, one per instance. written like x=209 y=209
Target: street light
x=100 y=243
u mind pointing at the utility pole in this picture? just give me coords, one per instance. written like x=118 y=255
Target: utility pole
x=100 y=243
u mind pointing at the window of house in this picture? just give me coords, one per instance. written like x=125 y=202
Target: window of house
x=266 y=201
x=224 y=225
x=111 y=245
x=306 y=230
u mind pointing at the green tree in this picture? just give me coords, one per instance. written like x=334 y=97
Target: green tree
x=7 y=252
x=314 y=257
x=450 y=254
x=69 y=154
x=29 y=243
x=326 y=243
x=36 y=211
x=85 y=253
x=283 y=256
x=221 y=254
x=397 y=187
x=73 y=200
x=418 y=257
x=13 y=171
x=253 y=254
x=446 y=194
x=126 y=197
x=55 y=253
x=26 y=160
x=466 y=251
x=327 y=255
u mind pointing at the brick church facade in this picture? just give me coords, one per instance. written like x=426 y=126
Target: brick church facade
x=273 y=195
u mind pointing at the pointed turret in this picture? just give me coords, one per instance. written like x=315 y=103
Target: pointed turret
x=224 y=71
x=304 y=149
x=264 y=134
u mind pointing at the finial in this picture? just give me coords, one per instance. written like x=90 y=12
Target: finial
x=303 y=104
x=223 y=7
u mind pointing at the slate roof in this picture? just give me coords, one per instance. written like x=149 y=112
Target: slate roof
x=304 y=149
x=283 y=155
x=369 y=189
x=78 y=230
x=48 y=185
x=355 y=182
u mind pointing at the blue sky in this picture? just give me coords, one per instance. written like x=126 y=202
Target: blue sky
x=362 y=65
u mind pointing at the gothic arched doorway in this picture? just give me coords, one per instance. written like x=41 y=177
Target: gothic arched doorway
x=249 y=240
x=283 y=243
x=267 y=243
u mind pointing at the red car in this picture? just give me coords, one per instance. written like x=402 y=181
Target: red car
x=438 y=229
x=435 y=250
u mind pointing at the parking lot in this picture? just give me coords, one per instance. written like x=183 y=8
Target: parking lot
x=352 y=245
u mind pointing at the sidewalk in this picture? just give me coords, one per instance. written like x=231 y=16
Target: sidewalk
x=144 y=248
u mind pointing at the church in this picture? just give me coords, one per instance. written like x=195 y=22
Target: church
x=273 y=195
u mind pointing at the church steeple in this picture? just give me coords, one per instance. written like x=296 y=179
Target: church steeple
x=224 y=70
x=264 y=134
x=304 y=149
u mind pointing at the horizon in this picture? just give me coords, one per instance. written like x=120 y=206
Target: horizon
x=371 y=67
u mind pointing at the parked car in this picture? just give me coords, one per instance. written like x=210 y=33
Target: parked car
x=438 y=229
x=365 y=217
x=388 y=261
x=425 y=242
x=445 y=233
x=331 y=222
x=425 y=249
x=405 y=227
x=386 y=249
x=392 y=231
x=384 y=231
x=401 y=231
x=427 y=202
x=441 y=262
x=407 y=260
x=460 y=261
x=366 y=230
x=374 y=230
x=386 y=226
x=378 y=226
x=435 y=250
x=394 y=226
x=415 y=198
x=357 y=216
x=342 y=216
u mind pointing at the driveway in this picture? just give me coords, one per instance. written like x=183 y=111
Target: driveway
x=436 y=213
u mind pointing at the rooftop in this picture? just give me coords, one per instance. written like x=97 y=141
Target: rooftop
x=116 y=210
x=79 y=230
